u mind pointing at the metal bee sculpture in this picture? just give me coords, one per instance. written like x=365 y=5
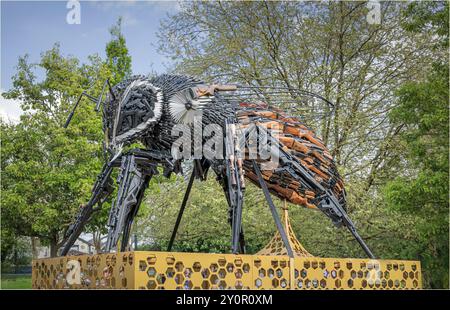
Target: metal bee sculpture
x=146 y=110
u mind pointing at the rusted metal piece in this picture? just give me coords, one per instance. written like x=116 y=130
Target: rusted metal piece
x=210 y=90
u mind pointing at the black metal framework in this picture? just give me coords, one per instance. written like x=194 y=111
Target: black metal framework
x=180 y=213
x=141 y=109
x=136 y=170
x=273 y=210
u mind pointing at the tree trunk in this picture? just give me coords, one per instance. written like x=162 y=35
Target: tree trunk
x=34 y=245
x=15 y=259
x=54 y=246
x=97 y=240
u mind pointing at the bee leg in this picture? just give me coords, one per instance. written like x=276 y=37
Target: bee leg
x=242 y=241
x=275 y=216
x=234 y=187
x=132 y=184
x=132 y=214
x=180 y=213
x=234 y=200
x=102 y=190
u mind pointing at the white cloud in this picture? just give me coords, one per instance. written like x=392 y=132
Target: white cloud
x=156 y=5
x=128 y=9
x=166 y=5
x=10 y=109
x=129 y=20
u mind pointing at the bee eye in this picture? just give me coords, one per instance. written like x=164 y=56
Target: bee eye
x=140 y=105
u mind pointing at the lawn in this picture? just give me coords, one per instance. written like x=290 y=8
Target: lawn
x=16 y=281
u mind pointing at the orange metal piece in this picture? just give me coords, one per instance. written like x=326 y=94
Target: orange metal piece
x=266 y=114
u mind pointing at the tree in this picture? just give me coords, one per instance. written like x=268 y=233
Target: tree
x=424 y=112
x=48 y=171
x=117 y=57
x=423 y=188
x=204 y=226
x=8 y=243
x=325 y=47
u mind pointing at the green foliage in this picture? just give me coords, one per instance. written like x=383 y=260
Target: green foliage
x=17 y=254
x=395 y=165
x=429 y=17
x=204 y=227
x=117 y=57
x=48 y=171
x=326 y=47
x=329 y=48
x=7 y=244
x=422 y=189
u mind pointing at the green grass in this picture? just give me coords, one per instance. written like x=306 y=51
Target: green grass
x=15 y=281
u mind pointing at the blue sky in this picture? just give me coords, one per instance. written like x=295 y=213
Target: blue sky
x=31 y=27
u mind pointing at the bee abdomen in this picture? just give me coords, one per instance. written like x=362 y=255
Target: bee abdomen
x=304 y=147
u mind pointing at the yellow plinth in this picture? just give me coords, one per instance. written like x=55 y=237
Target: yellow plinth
x=172 y=270
x=276 y=245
